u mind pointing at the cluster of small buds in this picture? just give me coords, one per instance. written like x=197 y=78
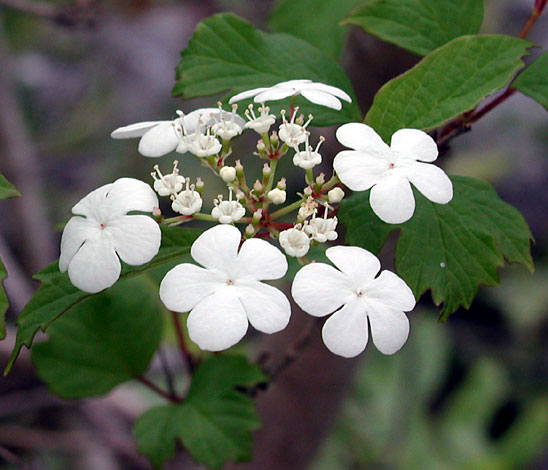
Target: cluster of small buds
x=229 y=211
x=293 y=133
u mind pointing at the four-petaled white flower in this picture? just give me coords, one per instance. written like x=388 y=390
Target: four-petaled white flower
x=308 y=158
x=226 y=294
x=227 y=211
x=389 y=170
x=317 y=93
x=320 y=289
x=295 y=242
x=101 y=231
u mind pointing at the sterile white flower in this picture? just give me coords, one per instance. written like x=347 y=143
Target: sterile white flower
x=101 y=231
x=295 y=242
x=322 y=229
x=166 y=185
x=187 y=202
x=277 y=196
x=317 y=93
x=227 y=211
x=226 y=294
x=292 y=133
x=308 y=158
x=320 y=289
x=228 y=174
x=335 y=195
x=389 y=170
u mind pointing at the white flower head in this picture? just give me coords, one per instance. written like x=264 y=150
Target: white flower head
x=101 y=233
x=322 y=229
x=226 y=294
x=292 y=133
x=309 y=157
x=317 y=93
x=355 y=295
x=260 y=124
x=187 y=202
x=227 y=211
x=227 y=127
x=389 y=170
x=166 y=185
x=295 y=242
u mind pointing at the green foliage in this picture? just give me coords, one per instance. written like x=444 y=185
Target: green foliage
x=450 y=249
x=105 y=340
x=449 y=81
x=227 y=53
x=533 y=81
x=56 y=295
x=214 y=421
x=7 y=189
x=306 y=18
x=416 y=25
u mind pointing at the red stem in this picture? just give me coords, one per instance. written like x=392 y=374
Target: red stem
x=185 y=353
x=152 y=386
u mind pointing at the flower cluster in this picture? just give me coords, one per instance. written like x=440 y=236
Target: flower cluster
x=227 y=291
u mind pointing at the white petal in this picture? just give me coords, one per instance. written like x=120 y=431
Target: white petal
x=391 y=290
x=414 y=144
x=192 y=120
x=322 y=98
x=392 y=200
x=134 y=130
x=75 y=233
x=136 y=238
x=389 y=328
x=246 y=94
x=159 y=140
x=359 y=171
x=95 y=266
x=331 y=90
x=345 y=333
x=187 y=284
x=266 y=307
x=217 y=322
x=358 y=136
x=298 y=84
x=130 y=194
x=431 y=181
x=357 y=263
x=90 y=204
x=217 y=248
x=273 y=94
x=319 y=289
x=260 y=260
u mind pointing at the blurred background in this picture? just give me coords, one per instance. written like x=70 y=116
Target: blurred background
x=468 y=394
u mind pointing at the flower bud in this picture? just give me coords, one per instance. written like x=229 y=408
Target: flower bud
x=266 y=170
x=320 y=179
x=274 y=139
x=199 y=185
x=261 y=147
x=277 y=196
x=257 y=186
x=307 y=191
x=335 y=195
x=257 y=216
x=228 y=174
x=281 y=184
x=249 y=230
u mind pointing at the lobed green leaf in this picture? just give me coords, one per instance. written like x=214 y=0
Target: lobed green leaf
x=446 y=83
x=533 y=81
x=417 y=25
x=227 y=53
x=450 y=249
x=214 y=421
x=105 y=340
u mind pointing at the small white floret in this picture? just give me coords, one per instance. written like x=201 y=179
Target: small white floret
x=335 y=195
x=277 y=196
x=295 y=242
x=228 y=174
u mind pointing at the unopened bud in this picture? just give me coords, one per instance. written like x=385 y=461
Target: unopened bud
x=261 y=147
x=335 y=195
x=307 y=191
x=277 y=196
x=238 y=165
x=157 y=213
x=266 y=170
x=249 y=230
x=274 y=139
x=228 y=174
x=257 y=216
x=320 y=179
x=240 y=197
x=258 y=186
x=281 y=184
x=199 y=185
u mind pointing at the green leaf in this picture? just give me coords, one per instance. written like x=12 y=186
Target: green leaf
x=56 y=294
x=4 y=304
x=533 y=81
x=214 y=421
x=227 y=53
x=7 y=189
x=416 y=25
x=449 y=81
x=450 y=249
x=105 y=340
x=305 y=18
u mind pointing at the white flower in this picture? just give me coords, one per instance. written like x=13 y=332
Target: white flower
x=277 y=196
x=335 y=195
x=295 y=242
x=228 y=174
x=226 y=293
x=226 y=128
x=227 y=211
x=260 y=124
x=187 y=202
x=320 y=289
x=322 y=229
x=101 y=231
x=166 y=185
x=308 y=158
x=317 y=93
x=204 y=145
x=293 y=133
x=308 y=208
x=389 y=170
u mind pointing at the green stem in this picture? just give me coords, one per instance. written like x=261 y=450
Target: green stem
x=332 y=182
x=286 y=210
x=273 y=165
